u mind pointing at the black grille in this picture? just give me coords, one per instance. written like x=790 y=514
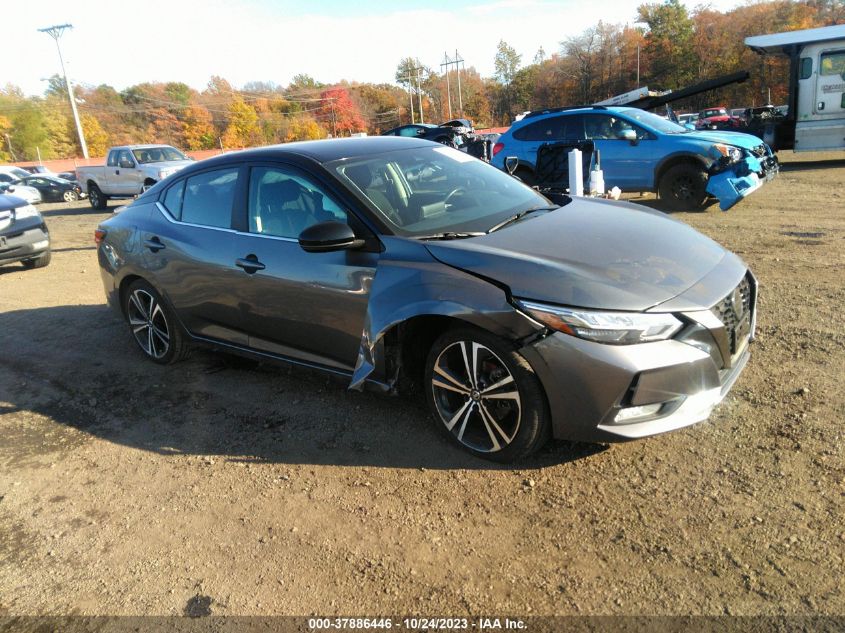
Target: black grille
x=734 y=311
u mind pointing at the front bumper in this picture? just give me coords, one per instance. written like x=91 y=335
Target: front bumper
x=730 y=183
x=24 y=244
x=591 y=387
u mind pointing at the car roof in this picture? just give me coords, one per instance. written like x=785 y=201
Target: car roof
x=327 y=150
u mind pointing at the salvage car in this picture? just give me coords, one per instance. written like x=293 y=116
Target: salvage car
x=641 y=151
x=23 y=234
x=51 y=187
x=451 y=133
x=400 y=264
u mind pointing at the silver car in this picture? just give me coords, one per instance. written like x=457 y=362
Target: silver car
x=397 y=262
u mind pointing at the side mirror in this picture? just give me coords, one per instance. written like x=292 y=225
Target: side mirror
x=628 y=134
x=511 y=163
x=329 y=236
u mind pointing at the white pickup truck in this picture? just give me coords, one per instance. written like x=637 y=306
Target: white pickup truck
x=129 y=169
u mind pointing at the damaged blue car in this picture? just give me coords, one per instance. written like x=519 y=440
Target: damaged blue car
x=641 y=151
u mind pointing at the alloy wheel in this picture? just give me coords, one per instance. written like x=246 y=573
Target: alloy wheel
x=476 y=396
x=70 y=196
x=149 y=323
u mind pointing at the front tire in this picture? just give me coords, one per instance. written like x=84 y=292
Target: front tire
x=683 y=188
x=485 y=397
x=153 y=325
x=70 y=196
x=96 y=198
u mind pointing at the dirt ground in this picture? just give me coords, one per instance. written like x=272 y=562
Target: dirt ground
x=214 y=484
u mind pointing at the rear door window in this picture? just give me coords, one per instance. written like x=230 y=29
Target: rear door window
x=208 y=197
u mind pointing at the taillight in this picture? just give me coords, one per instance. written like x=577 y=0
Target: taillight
x=498 y=147
x=99 y=236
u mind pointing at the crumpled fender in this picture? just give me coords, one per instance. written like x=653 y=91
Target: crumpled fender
x=416 y=284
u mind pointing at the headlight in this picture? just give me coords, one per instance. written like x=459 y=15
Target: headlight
x=720 y=150
x=26 y=212
x=615 y=328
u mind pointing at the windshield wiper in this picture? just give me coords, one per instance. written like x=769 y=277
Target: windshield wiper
x=450 y=235
x=519 y=216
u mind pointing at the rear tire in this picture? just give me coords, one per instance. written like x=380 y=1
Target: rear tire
x=153 y=325
x=683 y=188
x=526 y=176
x=38 y=262
x=96 y=198
x=485 y=397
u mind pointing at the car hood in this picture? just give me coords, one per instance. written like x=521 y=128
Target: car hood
x=590 y=254
x=8 y=202
x=738 y=139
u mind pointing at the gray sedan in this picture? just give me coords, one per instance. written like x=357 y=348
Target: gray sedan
x=400 y=263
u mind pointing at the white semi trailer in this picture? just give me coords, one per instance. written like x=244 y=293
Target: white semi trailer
x=815 y=120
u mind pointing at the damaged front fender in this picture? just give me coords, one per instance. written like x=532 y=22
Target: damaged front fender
x=730 y=183
x=409 y=283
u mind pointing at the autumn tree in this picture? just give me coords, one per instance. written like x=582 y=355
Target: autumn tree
x=95 y=137
x=243 y=129
x=340 y=112
x=669 y=44
x=304 y=128
x=199 y=128
x=506 y=64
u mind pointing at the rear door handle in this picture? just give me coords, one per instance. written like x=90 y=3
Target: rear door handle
x=250 y=264
x=154 y=244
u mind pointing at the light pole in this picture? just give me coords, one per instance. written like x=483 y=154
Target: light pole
x=56 y=32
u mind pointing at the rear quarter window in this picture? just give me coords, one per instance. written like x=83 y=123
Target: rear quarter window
x=208 y=197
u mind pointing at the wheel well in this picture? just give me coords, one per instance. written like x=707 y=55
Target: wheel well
x=674 y=162
x=406 y=346
x=124 y=285
x=150 y=182
x=90 y=184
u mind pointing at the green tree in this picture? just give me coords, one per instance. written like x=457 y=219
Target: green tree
x=506 y=64
x=669 y=49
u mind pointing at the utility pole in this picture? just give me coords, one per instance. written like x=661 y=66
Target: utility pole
x=447 y=62
x=411 y=96
x=458 y=61
x=56 y=32
x=419 y=92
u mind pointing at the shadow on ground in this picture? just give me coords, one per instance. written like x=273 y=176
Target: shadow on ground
x=78 y=366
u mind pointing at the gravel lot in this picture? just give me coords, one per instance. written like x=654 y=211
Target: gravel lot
x=221 y=486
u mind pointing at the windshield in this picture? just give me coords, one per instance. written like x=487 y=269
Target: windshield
x=157 y=154
x=656 y=123
x=429 y=190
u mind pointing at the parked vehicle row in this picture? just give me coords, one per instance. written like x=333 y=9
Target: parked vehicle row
x=395 y=261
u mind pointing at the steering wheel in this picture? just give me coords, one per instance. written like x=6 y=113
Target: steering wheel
x=457 y=191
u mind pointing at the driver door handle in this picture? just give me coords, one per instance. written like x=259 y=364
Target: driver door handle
x=250 y=264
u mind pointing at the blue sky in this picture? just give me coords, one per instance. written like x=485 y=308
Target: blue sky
x=124 y=43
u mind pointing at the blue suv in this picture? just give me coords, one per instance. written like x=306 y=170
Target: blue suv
x=641 y=151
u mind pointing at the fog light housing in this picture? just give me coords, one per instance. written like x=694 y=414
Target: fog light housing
x=633 y=414
x=37 y=246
